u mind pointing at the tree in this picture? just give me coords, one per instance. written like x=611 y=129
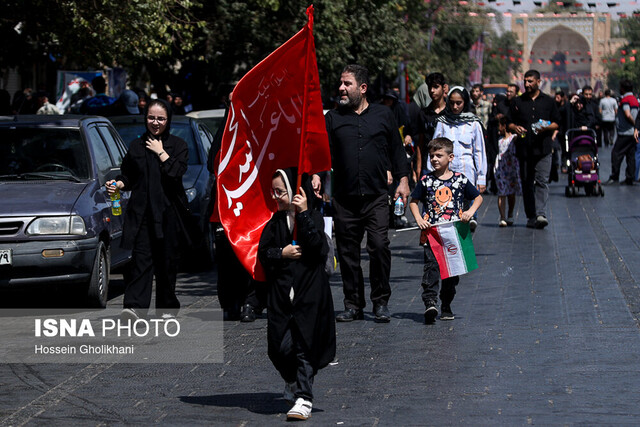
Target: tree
x=346 y=31
x=205 y=46
x=502 y=58
x=624 y=64
x=438 y=35
x=82 y=34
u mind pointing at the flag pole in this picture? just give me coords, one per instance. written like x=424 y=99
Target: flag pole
x=305 y=108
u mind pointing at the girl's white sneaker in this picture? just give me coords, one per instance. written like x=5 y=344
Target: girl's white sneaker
x=300 y=411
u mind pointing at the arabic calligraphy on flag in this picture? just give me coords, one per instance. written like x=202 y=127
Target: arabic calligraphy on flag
x=275 y=121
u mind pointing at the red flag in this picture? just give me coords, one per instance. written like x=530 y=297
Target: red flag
x=275 y=121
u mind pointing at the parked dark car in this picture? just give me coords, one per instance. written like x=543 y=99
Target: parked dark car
x=197 y=181
x=56 y=224
x=211 y=118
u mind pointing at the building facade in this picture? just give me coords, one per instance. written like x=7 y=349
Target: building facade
x=567 y=49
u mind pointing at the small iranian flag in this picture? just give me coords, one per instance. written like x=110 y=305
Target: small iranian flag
x=453 y=248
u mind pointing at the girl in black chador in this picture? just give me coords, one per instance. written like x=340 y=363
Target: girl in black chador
x=301 y=328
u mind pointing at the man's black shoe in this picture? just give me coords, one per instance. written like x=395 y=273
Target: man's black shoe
x=627 y=182
x=247 y=315
x=350 y=315
x=382 y=313
x=610 y=182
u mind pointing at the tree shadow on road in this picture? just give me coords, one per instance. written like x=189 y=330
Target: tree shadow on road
x=259 y=403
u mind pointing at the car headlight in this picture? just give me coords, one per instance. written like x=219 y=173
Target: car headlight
x=73 y=224
x=191 y=194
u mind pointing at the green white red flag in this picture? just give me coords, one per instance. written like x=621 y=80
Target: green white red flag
x=453 y=248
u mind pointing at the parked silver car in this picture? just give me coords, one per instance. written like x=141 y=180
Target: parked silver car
x=211 y=118
x=56 y=224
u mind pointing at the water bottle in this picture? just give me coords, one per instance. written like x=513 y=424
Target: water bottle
x=539 y=125
x=410 y=148
x=116 y=209
x=399 y=207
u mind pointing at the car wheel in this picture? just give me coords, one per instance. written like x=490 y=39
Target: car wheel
x=99 y=283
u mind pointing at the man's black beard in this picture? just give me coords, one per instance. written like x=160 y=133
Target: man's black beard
x=351 y=104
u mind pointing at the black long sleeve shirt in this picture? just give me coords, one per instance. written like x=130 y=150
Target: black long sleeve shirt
x=525 y=111
x=363 y=147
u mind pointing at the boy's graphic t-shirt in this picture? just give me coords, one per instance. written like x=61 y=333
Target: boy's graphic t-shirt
x=443 y=199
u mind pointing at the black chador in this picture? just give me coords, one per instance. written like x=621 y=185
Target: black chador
x=300 y=306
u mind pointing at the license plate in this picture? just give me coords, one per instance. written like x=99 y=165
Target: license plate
x=5 y=256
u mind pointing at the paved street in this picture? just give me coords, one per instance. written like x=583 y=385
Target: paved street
x=546 y=332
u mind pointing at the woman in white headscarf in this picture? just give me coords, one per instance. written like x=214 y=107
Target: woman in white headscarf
x=466 y=131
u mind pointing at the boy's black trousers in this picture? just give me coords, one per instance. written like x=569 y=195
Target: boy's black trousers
x=431 y=280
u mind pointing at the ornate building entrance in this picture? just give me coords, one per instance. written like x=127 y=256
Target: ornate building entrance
x=566 y=48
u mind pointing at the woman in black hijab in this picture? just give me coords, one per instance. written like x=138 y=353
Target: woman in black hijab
x=579 y=115
x=152 y=170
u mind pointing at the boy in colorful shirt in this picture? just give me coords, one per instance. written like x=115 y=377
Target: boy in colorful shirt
x=442 y=193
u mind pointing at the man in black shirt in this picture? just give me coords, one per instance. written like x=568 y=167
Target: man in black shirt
x=534 y=148
x=365 y=144
x=501 y=105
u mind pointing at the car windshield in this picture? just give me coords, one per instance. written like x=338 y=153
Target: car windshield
x=131 y=131
x=42 y=153
x=213 y=123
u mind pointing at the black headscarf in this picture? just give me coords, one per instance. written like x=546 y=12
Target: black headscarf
x=167 y=107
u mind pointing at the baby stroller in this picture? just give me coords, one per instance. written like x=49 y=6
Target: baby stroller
x=583 y=166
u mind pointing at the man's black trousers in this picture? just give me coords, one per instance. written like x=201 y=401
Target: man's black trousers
x=354 y=216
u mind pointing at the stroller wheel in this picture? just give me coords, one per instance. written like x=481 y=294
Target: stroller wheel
x=574 y=191
x=567 y=191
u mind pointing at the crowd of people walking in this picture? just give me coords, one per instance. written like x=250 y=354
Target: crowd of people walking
x=438 y=155
x=88 y=98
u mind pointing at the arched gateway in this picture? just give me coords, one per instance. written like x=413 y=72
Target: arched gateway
x=566 y=48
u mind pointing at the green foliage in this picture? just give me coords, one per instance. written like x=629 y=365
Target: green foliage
x=87 y=34
x=437 y=37
x=498 y=67
x=630 y=30
x=242 y=34
x=217 y=42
